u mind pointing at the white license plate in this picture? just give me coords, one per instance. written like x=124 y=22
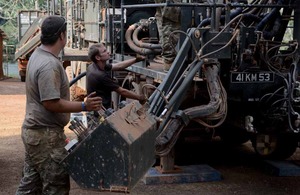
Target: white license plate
x=252 y=77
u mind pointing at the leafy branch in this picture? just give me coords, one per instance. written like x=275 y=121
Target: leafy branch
x=9 y=10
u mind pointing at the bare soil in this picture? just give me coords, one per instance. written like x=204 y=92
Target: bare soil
x=241 y=172
x=12 y=109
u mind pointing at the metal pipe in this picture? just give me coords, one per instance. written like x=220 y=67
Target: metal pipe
x=122 y=28
x=113 y=27
x=205 y=5
x=72 y=128
x=176 y=100
x=213 y=17
x=174 y=74
x=179 y=94
x=218 y=16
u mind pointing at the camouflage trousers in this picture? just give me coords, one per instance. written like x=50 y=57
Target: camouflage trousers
x=43 y=173
x=168 y=20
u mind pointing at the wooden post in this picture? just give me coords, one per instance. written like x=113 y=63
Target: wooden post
x=1 y=57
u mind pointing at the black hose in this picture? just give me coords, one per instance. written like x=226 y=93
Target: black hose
x=268 y=35
x=233 y=14
x=77 y=78
x=251 y=17
x=268 y=18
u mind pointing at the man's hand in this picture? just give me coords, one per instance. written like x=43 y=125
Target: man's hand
x=142 y=99
x=139 y=58
x=93 y=102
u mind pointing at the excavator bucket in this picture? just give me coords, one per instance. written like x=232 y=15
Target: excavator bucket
x=117 y=153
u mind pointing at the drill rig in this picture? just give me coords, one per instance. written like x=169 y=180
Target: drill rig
x=235 y=77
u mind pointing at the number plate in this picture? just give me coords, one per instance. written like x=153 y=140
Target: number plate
x=252 y=77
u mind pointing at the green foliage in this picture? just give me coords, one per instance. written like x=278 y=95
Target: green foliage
x=9 y=11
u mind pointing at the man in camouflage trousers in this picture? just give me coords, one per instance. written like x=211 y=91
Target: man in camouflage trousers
x=168 y=20
x=48 y=109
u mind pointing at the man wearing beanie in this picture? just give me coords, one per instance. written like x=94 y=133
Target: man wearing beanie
x=48 y=109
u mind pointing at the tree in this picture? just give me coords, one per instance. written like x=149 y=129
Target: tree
x=9 y=12
x=8 y=21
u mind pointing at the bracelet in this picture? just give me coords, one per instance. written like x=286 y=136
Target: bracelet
x=83 y=107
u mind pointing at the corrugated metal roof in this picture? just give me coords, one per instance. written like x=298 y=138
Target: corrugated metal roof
x=3 y=34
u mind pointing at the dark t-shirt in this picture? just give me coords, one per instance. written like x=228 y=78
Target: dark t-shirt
x=101 y=82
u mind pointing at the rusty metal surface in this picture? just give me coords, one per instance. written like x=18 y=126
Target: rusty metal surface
x=117 y=153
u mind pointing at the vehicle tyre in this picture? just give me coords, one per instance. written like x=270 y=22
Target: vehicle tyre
x=274 y=146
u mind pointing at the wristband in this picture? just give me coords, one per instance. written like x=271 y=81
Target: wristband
x=83 y=107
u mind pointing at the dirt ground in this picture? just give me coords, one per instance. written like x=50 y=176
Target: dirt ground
x=241 y=173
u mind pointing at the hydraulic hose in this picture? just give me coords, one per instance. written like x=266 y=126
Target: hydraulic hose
x=251 y=17
x=233 y=14
x=275 y=28
x=133 y=46
x=270 y=17
x=169 y=134
x=211 y=74
x=141 y=43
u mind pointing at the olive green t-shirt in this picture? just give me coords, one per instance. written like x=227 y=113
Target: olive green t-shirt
x=46 y=79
